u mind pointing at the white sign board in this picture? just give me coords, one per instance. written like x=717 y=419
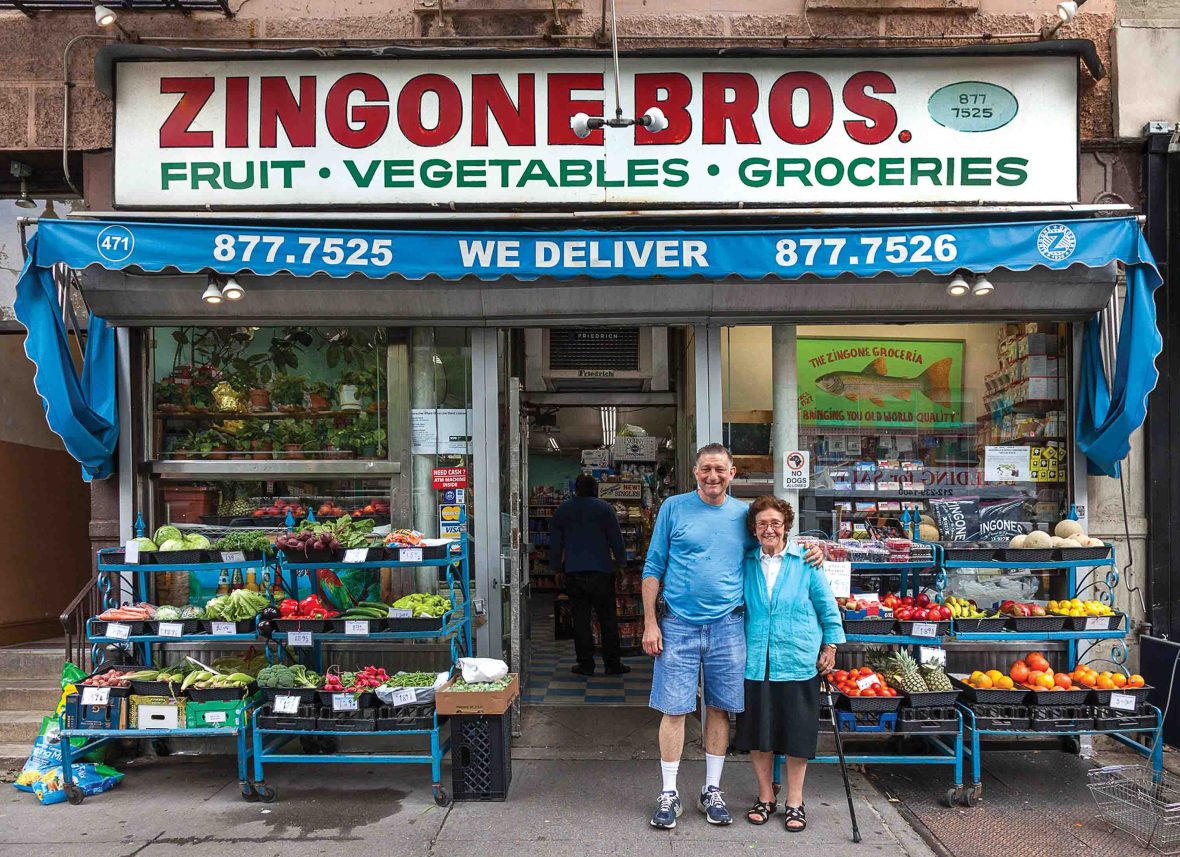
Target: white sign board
x=440 y=431
x=1006 y=464
x=612 y=491
x=839 y=576
x=797 y=469
x=758 y=131
x=596 y=458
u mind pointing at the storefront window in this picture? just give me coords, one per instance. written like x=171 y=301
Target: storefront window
x=963 y=423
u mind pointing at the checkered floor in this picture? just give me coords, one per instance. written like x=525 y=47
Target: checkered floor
x=548 y=680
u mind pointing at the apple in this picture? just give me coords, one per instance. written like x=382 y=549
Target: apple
x=1037 y=609
x=923 y=599
x=908 y=601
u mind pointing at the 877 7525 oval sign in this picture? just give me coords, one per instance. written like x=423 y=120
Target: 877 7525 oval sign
x=770 y=131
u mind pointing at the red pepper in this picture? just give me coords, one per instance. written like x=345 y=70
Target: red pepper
x=310 y=604
x=288 y=608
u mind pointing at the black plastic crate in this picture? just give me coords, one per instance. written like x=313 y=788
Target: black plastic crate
x=339 y=625
x=393 y=552
x=869 y=626
x=316 y=626
x=941 y=628
x=101 y=669
x=1062 y=718
x=481 y=756
x=420 y=623
x=1058 y=698
x=189 y=557
x=969 y=551
x=1080 y=554
x=1078 y=623
x=221 y=694
x=868 y=703
x=1016 y=696
x=307 y=695
x=79 y=716
x=158 y=688
x=930 y=699
x=1143 y=717
x=1006 y=717
x=1102 y=697
x=1036 y=624
x=361 y=720
x=365 y=699
x=303 y=720
x=936 y=720
x=187 y=626
x=989 y=625
x=1026 y=555
x=403 y=717
x=98 y=627
x=243 y=626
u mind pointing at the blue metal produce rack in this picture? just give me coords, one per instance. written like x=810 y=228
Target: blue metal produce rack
x=268 y=743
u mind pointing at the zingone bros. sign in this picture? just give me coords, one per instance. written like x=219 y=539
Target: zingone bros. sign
x=433 y=132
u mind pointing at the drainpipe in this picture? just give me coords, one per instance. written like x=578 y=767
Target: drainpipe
x=423 y=395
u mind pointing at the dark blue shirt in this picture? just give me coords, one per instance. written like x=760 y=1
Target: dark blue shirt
x=585 y=532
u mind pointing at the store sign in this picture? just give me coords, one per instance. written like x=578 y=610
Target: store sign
x=620 y=491
x=385 y=132
x=880 y=383
x=448 y=477
x=797 y=469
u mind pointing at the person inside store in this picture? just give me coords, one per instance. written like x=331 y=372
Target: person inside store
x=695 y=555
x=792 y=629
x=585 y=539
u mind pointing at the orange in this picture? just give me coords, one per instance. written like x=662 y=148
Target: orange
x=1104 y=683
x=1034 y=677
x=994 y=675
x=983 y=681
x=1136 y=680
x=1045 y=680
x=1119 y=680
x=1006 y=683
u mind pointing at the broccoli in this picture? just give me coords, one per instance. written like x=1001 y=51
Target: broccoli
x=276 y=676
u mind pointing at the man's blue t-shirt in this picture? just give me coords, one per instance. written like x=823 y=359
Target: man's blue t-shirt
x=697 y=550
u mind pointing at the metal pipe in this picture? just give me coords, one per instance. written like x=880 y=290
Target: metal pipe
x=614 y=48
x=785 y=421
x=67 y=85
x=423 y=396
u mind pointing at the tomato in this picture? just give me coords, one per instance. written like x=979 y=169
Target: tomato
x=865 y=671
x=875 y=687
x=869 y=692
x=841 y=675
x=854 y=692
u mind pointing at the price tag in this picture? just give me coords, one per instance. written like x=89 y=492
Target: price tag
x=405 y=696
x=1121 y=701
x=286 y=704
x=926 y=654
x=1097 y=623
x=233 y=556
x=118 y=631
x=102 y=695
x=400 y=613
x=131 y=553
x=356 y=554
x=344 y=702
x=867 y=681
x=225 y=627
x=409 y=555
x=299 y=638
x=356 y=626
x=215 y=716
x=839 y=576
x=171 y=629
x=925 y=629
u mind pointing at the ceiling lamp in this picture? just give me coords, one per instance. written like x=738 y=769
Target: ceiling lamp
x=232 y=290
x=957 y=286
x=212 y=294
x=982 y=286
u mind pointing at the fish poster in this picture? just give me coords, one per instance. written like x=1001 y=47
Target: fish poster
x=880 y=382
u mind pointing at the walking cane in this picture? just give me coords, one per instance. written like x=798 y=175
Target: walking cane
x=840 y=752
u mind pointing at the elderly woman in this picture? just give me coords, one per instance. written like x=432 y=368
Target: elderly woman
x=792 y=629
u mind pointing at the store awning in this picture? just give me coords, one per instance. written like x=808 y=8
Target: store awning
x=453 y=259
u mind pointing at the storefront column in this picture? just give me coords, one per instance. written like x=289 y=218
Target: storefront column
x=485 y=444
x=785 y=386
x=423 y=395
x=707 y=392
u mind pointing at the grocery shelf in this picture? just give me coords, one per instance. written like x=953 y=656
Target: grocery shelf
x=1029 y=566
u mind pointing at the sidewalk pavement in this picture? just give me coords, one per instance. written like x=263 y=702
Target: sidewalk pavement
x=555 y=809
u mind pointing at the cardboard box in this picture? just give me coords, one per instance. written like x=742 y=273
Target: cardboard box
x=156 y=712
x=636 y=448
x=447 y=701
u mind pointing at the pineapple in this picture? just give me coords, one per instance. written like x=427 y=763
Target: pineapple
x=936 y=680
x=908 y=677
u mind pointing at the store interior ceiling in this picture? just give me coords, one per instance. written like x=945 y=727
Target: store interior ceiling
x=574 y=428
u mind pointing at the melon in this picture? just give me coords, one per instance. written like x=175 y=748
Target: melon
x=928 y=532
x=1067 y=528
x=1092 y=542
x=1018 y=541
x=1072 y=543
x=1038 y=539
x=1059 y=542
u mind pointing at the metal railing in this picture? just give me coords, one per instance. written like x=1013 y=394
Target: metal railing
x=88 y=602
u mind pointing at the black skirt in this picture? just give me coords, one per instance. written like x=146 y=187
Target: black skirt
x=781 y=717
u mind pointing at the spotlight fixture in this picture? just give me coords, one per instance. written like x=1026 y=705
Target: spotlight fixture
x=957 y=286
x=23 y=172
x=232 y=290
x=103 y=16
x=1067 y=10
x=212 y=294
x=982 y=286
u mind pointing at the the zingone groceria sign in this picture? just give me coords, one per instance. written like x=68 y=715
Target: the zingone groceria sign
x=772 y=131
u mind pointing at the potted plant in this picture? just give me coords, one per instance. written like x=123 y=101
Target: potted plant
x=250 y=376
x=169 y=396
x=319 y=396
x=349 y=381
x=293 y=436
x=261 y=444
x=211 y=444
x=339 y=442
x=200 y=394
x=241 y=445
x=369 y=388
x=184 y=445
x=287 y=392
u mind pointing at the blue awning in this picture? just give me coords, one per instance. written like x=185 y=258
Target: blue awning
x=1104 y=423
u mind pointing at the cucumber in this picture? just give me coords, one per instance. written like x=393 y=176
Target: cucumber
x=376 y=605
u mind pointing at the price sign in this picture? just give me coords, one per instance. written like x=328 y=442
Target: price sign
x=233 y=556
x=925 y=629
x=839 y=576
x=171 y=629
x=867 y=681
x=357 y=627
x=299 y=638
x=131 y=553
x=1123 y=701
x=926 y=654
x=1097 y=623
x=102 y=695
x=118 y=631
x=409 y=555
x=286 y=704
x=400 y=613
x=356 y=554
x=215 y=716
x=344 y=702
x=405 y=696
x=225 y=627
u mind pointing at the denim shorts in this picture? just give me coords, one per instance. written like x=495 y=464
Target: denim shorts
x=719 y=647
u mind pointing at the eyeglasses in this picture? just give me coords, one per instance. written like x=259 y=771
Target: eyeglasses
x=769 y=525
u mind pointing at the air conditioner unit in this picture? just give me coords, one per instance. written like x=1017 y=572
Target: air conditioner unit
x=572 y=359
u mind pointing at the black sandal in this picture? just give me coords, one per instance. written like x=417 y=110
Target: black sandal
x=763 y=810
x=795 y=814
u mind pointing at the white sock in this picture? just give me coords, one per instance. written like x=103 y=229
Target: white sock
x=713 y=766
x=669 y=771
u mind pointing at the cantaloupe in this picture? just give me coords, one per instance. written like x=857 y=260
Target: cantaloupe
x=1018 y=541
x=1092 y=542
x=1067 y=528
x=1038 y=539
x=928 y=532
x=1059 y=542
x=1072 y=543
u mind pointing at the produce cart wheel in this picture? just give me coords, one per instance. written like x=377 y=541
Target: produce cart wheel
x=74 y=794
x=266 y=793
x=441 y=796
x=952 y=796
x=160 y=747
x=1072 y=745
x=248 y=793
x=309 y=744
x=972 y=794
x=329 y=745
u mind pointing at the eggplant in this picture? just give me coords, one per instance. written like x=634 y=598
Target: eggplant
x=270 y=612
x=266 y=628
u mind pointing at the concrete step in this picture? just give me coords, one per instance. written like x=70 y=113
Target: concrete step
x=29 y=694
x=20 y=727
x=36 y=663
x=13 y=758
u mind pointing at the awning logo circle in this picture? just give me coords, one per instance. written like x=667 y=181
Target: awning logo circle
x=1056 y=242
x=115 y=243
